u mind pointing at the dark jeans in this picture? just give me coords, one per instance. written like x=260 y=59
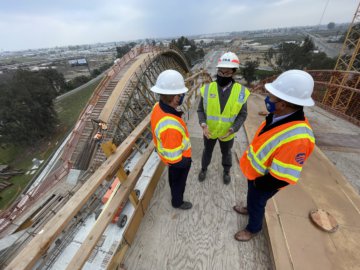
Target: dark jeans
x=256 y=202
x=225 y=147
x=177 y=182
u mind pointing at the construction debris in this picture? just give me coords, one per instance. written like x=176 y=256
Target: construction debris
x=7 y=173
x=324 y=220
x=4 y=185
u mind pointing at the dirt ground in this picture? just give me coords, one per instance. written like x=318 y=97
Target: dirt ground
x=94 y=62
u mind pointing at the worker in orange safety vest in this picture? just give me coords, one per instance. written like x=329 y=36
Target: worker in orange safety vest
x=280 y=147
x=170 y=134
x=98 y=136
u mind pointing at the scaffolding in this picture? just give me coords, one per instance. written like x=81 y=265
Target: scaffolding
x=338 y=97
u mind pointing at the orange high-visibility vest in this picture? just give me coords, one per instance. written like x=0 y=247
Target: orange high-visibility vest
x=280 y=151
x=170 y=135
x=98 y=136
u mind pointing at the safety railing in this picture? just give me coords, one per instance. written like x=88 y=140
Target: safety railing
x=25 y=201
x=344 y=86
x=36 y=248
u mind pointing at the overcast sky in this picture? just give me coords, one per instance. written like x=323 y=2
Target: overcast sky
x=29 y=24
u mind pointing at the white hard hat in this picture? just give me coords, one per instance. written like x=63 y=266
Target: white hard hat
x=169 y=82
x=228 y=60
x=294 y=86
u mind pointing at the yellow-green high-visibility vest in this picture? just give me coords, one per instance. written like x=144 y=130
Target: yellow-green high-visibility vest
x=217 y=122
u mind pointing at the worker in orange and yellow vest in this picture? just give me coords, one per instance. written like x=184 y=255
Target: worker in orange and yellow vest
x=98 y=136
x=280 y=147
x=170 y=134
x=222 y=111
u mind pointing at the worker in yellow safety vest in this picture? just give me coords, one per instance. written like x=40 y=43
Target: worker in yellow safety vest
x=222 y=111
x=280 y=147
x=170 y=134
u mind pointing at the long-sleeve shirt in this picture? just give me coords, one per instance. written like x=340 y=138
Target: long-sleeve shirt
x=223 y=97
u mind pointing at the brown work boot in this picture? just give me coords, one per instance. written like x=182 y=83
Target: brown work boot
x=244 y=235
x=241 y=210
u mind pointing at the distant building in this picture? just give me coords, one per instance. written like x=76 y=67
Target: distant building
x=204 y=40
x=78 y=62
x=186 y=48
x=37 y=68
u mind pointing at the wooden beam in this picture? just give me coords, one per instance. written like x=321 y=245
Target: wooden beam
x=113 y=99
x=118 y=257
x=118 y=200
x=41 y=242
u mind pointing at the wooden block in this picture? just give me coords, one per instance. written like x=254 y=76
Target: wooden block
x=121 y=174
x=324 y=220
x=145 y=201
x=133 y=198
x=108 y=148
x=118 y=257
x=134 y=224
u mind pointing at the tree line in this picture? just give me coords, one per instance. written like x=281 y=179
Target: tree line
x=27 y=111
x=192 y=53
x=289 y=56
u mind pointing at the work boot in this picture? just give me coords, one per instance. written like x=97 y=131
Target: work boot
x=241 y=210
x=226 y=178
x=202 y=175
x=185 y=205
x=244 y=235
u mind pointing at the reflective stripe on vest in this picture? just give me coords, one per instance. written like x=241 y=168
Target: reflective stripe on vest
x=300 y=131
x=219 y=123
x=258 y=159
x=176 y=153
x=284 y=170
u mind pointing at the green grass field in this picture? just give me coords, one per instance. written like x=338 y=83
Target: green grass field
x=68 y=110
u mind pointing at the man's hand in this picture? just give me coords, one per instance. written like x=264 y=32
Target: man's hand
x=230 y=131
x=206 y=131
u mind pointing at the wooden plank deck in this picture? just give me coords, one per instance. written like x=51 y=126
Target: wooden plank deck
x=203 y=237
x=295 y=242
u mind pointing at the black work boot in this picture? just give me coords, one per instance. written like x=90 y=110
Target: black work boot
x=202 y=175
x=185 y=205
x=226 y=178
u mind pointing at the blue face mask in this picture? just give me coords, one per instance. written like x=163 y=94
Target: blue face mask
x=270 y=106
x=181 y=99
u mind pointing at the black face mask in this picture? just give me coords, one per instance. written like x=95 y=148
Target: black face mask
x=223 y=81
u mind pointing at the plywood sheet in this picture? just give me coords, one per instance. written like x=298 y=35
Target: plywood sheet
x=321 y=186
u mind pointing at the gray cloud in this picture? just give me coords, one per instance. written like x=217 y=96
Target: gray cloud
x=41 y=23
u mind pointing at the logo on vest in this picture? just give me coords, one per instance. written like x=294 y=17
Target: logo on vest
x=212 y=95
x=300 y=158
